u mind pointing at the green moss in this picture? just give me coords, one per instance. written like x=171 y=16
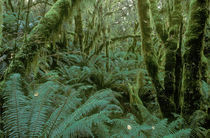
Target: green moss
x=204 y=68
x=158 y=22
x=192 y=57
x=37 y=39
x=171 y=46
x=166 y=105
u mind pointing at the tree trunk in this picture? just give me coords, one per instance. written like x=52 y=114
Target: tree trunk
x=192 y=57
x=171 y=46
x=78 y=39
x=166 y=105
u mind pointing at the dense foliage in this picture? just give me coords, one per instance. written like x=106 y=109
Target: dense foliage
x=111 y=68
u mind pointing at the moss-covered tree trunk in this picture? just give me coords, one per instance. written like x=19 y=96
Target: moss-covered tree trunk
x=148 y=53
x=171 y=39
x=78 y=31
x=171 y=46
x=192 y=57
x=1 y=21
x=47 y=27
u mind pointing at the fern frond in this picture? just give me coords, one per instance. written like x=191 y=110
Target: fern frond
x=95 y=120
x=40 y=107
x=96 y=108
x=70 y=103
x=183 y=133
x=16 y=109
x=160 y=129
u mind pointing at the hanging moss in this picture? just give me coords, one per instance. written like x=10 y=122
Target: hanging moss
x=47 y=27
x=166 y=105
x=158 y=22
x=192 y=57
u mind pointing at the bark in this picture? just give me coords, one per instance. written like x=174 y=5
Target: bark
x=192 y=57
x=148 y=53
x=47 y=27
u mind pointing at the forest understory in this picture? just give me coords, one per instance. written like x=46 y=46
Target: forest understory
x=104 y=68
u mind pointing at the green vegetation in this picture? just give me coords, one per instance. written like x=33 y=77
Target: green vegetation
x=111 y=68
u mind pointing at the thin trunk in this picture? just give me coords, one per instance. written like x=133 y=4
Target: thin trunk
x=192 y=57
x=10 y=4
x=178 y=72
x=78 y=39
x=27 y=18
x=18 y=23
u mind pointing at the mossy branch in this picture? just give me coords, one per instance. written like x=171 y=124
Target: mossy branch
x=40 y=34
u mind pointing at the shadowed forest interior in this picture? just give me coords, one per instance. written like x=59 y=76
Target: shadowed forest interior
x=104 y=68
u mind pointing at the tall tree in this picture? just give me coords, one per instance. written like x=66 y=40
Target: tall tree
x=192 y=56
x=148 y=53
x=172 y=43
x=171 y=46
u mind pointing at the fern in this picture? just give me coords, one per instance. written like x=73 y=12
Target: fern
x=16 y=108
x=40 y=106
x=44 y=113
x=158 y=130
x=81 y=120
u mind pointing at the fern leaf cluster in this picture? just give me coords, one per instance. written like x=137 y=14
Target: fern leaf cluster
x=39 y=114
